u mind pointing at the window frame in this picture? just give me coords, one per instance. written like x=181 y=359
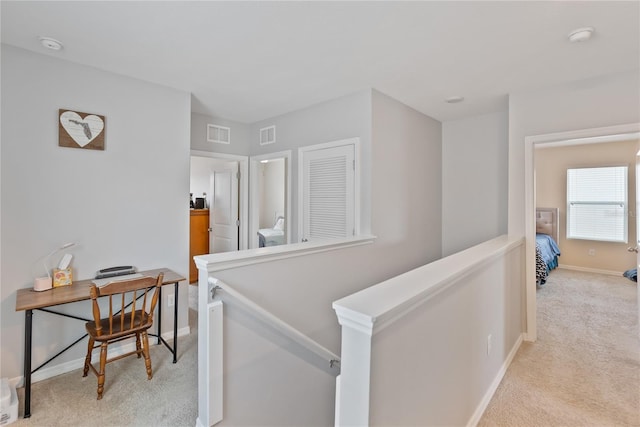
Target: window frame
x=570 y=201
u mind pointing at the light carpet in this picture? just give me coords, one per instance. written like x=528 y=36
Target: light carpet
x=169 y=399
x=584 y=369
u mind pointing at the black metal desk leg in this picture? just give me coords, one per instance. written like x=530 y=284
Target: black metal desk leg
x=28 y=319
x=175 y=324
x=160 y=314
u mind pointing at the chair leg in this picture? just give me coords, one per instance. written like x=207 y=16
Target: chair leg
x=145 y=351
x=87 y=360
x=103 y=363
x=138 y=346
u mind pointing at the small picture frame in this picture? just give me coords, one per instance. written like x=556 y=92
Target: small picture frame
x=81 y=130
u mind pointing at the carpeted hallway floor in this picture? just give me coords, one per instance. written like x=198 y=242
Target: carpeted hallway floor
x=584 y=370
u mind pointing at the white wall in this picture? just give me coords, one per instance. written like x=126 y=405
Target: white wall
x=406 y=219
x=599 y=102
x=336 y=119
x=341 y=118
x=474 y=180
x=124 y=205
x=405 y=153
x=406 y=182
x=239 y=144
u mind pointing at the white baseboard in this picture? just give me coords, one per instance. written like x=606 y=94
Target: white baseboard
x=590 y=270
x=475 y=418
x=72 y=365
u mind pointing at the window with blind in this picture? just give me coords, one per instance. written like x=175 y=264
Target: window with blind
x=328 y=191
x=597 y=204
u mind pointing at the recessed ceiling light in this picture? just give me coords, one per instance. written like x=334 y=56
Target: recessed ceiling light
x=581 y=34
x=454 y=99
x=50 y=43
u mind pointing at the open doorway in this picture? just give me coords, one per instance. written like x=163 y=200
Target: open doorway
x=270 y=186
x=219 y=193
x=586 y=136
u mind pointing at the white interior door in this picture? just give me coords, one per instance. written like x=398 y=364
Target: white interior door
x=223 y=217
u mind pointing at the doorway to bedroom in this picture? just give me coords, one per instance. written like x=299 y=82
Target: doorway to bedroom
x=270 y=200
x=541 y=152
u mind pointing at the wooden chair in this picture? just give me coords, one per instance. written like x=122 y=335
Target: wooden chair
x=131 y=320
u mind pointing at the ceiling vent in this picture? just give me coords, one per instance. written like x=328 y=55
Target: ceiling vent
x=268 y=135
x=219 y=134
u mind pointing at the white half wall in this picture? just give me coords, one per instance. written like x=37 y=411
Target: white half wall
x=404 y=162
x=434 y=366
x=428 y=347
x=474 y=180
x=124 y=205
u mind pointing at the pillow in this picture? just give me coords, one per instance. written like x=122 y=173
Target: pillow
x=279 y=225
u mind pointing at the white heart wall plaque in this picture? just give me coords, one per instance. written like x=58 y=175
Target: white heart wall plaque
x=81 y=130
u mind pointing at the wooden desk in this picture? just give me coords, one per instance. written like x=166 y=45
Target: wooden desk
x=28 y=300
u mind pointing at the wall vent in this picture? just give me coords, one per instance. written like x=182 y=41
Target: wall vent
x=219 y=134
x=268 y=135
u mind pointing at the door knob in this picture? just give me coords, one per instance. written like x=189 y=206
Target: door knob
x=209 y=229
x=633 y=249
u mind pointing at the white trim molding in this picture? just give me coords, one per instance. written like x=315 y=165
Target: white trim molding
x=475 y=418
x=227 y=260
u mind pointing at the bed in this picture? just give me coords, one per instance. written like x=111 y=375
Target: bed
x=273 y=236
x=547 y=236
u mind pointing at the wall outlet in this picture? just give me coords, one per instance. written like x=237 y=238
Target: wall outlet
x=170 y=300
x=592 y=252
x=489 y=344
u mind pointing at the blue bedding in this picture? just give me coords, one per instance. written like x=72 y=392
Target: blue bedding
x=547 y=250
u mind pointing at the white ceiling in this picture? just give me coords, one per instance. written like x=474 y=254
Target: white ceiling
x=247 y=61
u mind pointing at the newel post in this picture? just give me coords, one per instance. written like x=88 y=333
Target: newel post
x=210 y=349
x=353 y=395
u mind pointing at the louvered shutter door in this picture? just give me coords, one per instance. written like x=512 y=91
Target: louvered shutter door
x=328 y=193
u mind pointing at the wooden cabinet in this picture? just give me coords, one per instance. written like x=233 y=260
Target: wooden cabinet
x=198 y=239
